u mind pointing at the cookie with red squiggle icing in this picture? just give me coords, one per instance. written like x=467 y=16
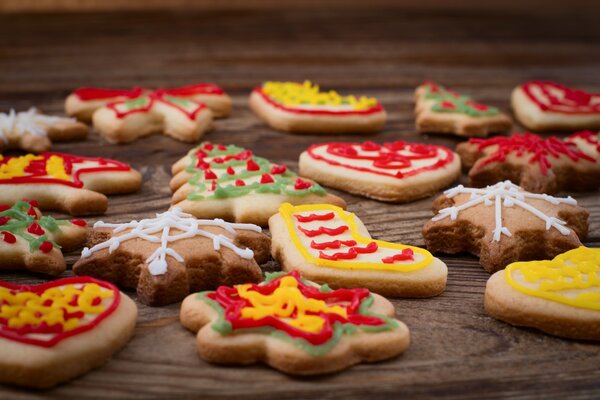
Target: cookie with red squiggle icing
x=547 y=106
x=439 y=110
x=397 y=171
x=588 y=142
x=293 y=325
x=539 y=165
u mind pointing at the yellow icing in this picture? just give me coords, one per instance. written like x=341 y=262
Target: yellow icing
x=15 y=167
x=286 y=301
x=55 y=167
x=287 y=211
x=297 y=94
x=28 y=309
x=571 y=278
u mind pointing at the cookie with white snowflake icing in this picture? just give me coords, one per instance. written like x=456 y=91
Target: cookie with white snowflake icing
x=217 y=181
x=439 y=110
x=168 y=256
x=503 y=223
x=32 y=131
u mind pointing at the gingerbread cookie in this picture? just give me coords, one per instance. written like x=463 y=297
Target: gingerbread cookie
x=560 y=296
x=83 y=102
x=439 y=110
x=396 y=171
x=34 y=242
x=65 y=182
x=547 y=106
x=216 y=181
x=56 y=331
x=32 y=131
x=329 y=245
x=538 y=165
x=588 y=142
x=167 y=257
x=293 y=325
x=303 y=108
x=503 y=223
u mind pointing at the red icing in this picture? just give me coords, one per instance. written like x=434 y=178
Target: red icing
x=300 y=184
x=56 y=332
x=350 y=299
x=394 y=156
x=79 y=222
x=334 y=244
x=278 y=169
x=251 y=165
x=9 y=237
x=405 y=255
x=315 y=217
x=35 y=229
x=590 y=137
x=561 y=99
x=208 y=174
x=375 y=109
x=266 y=178
x=540 y=149
x=153 y=97
x=36 y=170
x=351 y=254
x=4 y=220
x=193 y=90
x=46 y=247
x=324 y=231
x=230 y=170
x=92 y=93
x=239 y=182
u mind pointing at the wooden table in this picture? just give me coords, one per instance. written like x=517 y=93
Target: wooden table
x=457 y=351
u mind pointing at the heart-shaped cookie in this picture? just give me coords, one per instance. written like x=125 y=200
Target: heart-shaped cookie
x=78 y=321
x=396 y=171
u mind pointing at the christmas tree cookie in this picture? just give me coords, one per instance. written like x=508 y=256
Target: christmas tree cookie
x=217 y=181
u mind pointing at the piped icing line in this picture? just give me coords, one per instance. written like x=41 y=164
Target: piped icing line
x=55 y=168
x=158 y=230
x=27 y=122
x=145 y=103
x=447 y=101
x=395 y=159
x=284 y=306
x=219 y=171
x=382 y=255
x=571 y=278
x=590 y=137
x=553 y=97
x=93 y=93
x=529 y=144
x=45 y=315
x=504 y=194
x=306 y=98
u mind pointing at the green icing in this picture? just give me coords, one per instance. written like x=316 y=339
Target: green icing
x=19 y=222
x=460 y=104
x=222 y=326
x=178 y=101
x=139 y=102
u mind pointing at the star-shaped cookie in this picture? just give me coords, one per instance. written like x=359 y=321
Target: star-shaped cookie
x=503 y=223
x=167 y=257
x=539 y=165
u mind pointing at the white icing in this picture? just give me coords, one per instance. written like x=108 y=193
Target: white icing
x=505 y=194
x=158 y=230
x=27 y=122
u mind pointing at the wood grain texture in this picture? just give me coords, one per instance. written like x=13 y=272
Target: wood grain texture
x=457 y=350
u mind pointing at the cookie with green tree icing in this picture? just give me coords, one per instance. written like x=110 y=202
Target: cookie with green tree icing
x=34 y=242
x=229 y=182
x=439 y=110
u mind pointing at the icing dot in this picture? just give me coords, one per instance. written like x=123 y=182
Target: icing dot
x=266 y=178
x=251 y=165
x=208 y=174
x=79 y=222
x=9 y=237
x=4 y=220
x=35 y=229
x=278 y=169
x=300 y=184
x=239 y=182
x=46 y=247
x=209 y=146
x=230 y=170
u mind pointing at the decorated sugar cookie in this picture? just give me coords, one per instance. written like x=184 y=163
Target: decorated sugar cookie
x=547 y=106
x=123 y=116
x=396 y=171
x=504 y=223
x=439 y=110
x=559 y=296
x=538 y=165
x=33 y=131
x=293 y=325
x=167 y=257
x=326 y=244
x=304 y=108
x=32 y=241
x=56 y=331
x=588 y=142
x=216 y=181
x=65 y=182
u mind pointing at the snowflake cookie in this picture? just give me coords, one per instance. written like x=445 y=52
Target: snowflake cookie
x=504 y=223
x=167 y=257
x=294 y=325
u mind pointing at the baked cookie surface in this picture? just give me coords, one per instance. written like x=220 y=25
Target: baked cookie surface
x=328 y=245
x=293 y=325
x=396 y=171
x=303 y=108
x=559 y=296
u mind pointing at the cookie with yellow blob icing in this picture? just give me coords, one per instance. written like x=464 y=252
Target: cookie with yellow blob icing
x=559 y=296
x=328 y=245
x=56 y=331
x=293 y=325
x=303 y=108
